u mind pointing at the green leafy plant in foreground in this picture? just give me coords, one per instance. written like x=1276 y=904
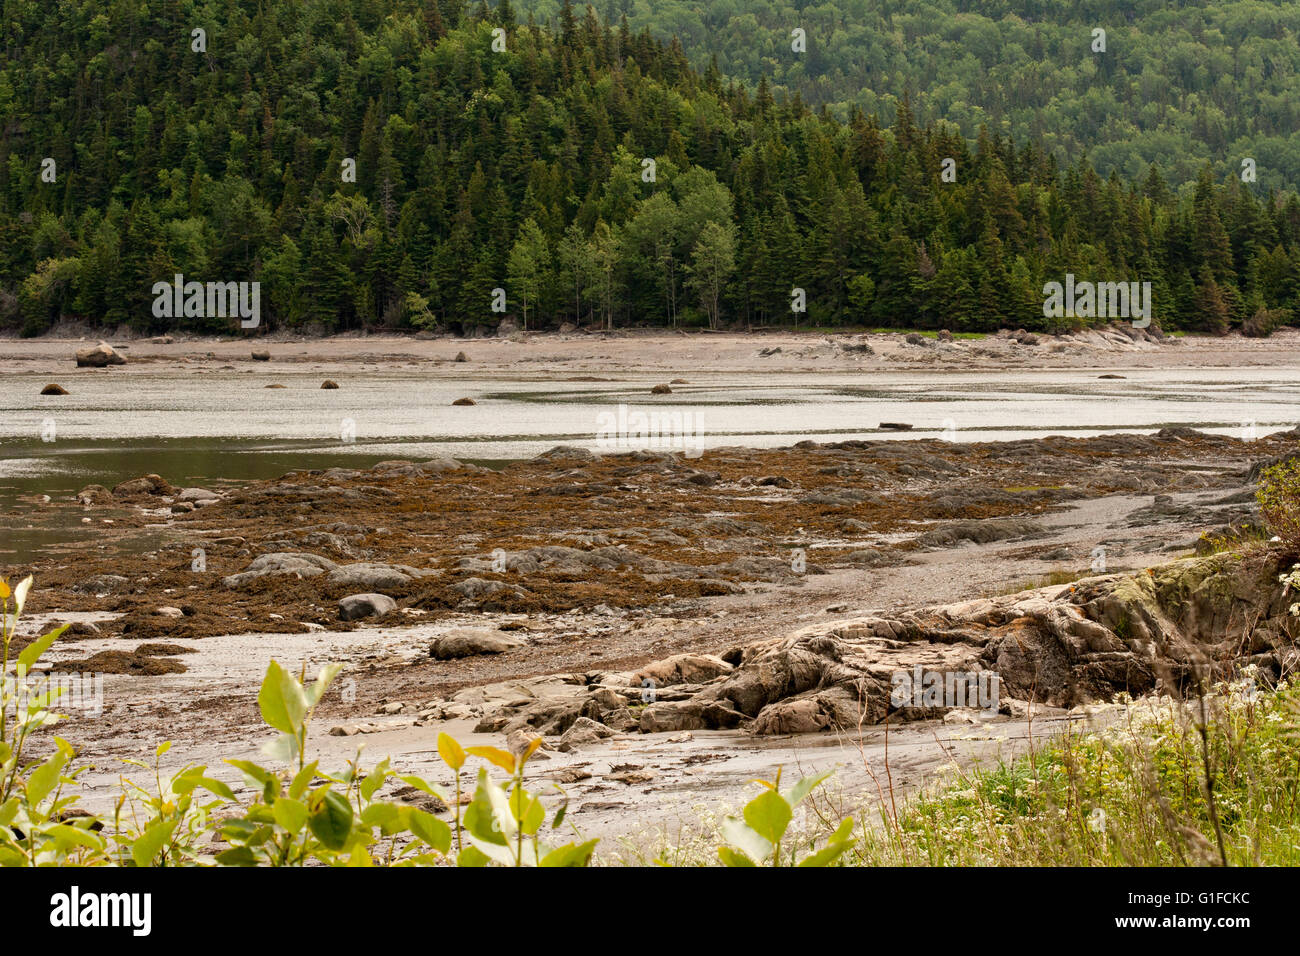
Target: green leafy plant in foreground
x=1155 y=788
x=293 y=813
x=756 y=837
x=1279 y=502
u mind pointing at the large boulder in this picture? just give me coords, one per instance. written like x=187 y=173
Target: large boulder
x=356 y=607
x=295 y=563
x=437 y=466
x=582 y=732
x=698 y=714
x=475 y=588
x=470 y=643
x=100 y=356
x=681 y=669
x=144 y=485
x=370 y=576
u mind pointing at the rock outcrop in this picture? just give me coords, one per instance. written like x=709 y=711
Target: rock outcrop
x=1166 y=628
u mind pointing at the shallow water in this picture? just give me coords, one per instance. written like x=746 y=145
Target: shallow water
x=204 y=427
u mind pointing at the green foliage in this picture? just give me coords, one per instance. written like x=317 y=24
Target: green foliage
x=296 y=815
x=525 y=169
x=756 y=837
x=1132 y=791
x=1178 y=85
x=1279 y=502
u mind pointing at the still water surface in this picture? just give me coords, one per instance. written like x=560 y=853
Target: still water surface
x=216 y=426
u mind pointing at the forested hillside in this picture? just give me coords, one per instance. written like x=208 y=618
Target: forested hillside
x=1181 y=82
x=526 y=170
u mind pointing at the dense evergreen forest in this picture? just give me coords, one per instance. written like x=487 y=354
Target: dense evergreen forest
x=1181 y=82
x=590 y=171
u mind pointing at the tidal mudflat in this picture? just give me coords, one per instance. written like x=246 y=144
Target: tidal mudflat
x=530 y=590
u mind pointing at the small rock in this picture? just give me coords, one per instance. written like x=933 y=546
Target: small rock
x=661 y=390
x=517 y=741
x=329 y=383
x=261 y=355
x=95 y=495
x=276 y=385
x=167 y=611
x=895 y=426
x=583 y=731
x=102 y=584
x=631 y=776
x=199 y=497
x=462 y=357
x=464 y=401
x=54 y=389
x=1018 y=709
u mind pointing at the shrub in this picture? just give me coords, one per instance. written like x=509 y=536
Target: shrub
x=1279 y=501
x=1265 y=322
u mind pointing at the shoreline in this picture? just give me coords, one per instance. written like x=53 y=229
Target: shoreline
x=683 y=352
